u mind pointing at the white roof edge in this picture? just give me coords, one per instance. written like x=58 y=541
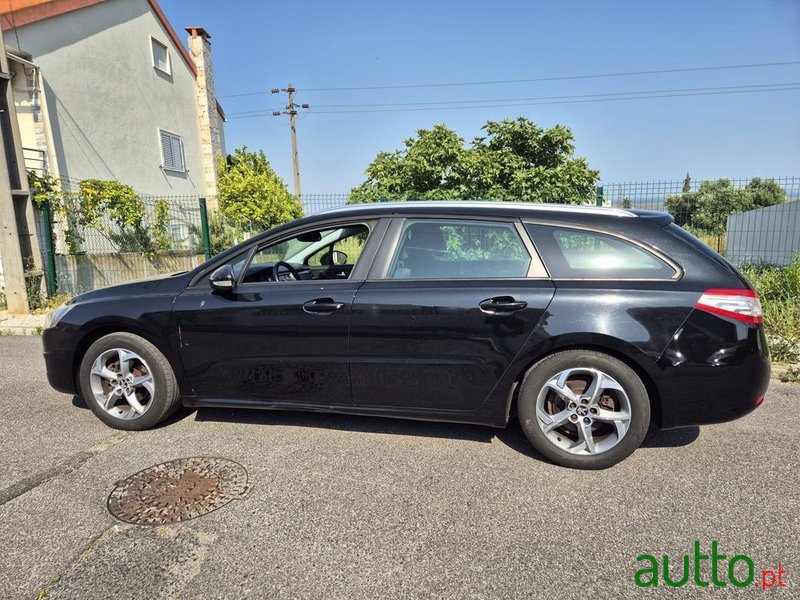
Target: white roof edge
x=574 y=208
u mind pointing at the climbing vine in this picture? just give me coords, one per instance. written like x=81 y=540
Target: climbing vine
x=111 y=208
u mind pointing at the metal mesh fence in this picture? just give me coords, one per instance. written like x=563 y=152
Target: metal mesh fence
x=747 y=220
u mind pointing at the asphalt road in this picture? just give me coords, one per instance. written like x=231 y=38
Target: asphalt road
x=350 y=507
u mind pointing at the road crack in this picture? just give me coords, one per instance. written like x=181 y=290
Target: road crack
x=63 y=467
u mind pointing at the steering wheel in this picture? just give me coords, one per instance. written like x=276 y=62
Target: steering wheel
x=290 y=271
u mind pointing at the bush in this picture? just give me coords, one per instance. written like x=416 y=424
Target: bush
x=779 y=290
x=113 y=209
x=222 y=233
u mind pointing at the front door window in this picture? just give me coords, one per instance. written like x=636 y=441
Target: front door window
x=312 y=255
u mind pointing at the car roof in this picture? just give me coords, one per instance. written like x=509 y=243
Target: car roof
x=471 y=207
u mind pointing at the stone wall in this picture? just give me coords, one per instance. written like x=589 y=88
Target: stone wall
x=211 y=141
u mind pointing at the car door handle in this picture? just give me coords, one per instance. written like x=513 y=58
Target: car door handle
x=502 y=305
x=322 y=306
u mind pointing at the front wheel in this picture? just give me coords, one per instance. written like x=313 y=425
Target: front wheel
x=583 y=409
x=127 y=382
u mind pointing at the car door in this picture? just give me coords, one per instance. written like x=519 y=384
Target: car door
x=447 y=305
x=269 y=341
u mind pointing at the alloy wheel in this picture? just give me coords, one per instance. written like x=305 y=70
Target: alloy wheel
x=122 y=383
x=583 y=411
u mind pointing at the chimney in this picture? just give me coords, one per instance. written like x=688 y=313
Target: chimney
x=208 y=111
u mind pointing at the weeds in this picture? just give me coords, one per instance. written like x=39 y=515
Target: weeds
x=779 y=290
x=791 y=375
x=49 y=304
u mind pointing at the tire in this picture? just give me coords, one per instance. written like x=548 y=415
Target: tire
x=558 y=430
x=134 y=370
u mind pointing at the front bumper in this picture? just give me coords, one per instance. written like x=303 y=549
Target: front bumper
x=59 y=361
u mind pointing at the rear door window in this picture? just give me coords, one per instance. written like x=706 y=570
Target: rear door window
x=579 y=254
x=456 y=249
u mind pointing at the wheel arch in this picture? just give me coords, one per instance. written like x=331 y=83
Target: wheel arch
x=95 y=331
x=622 y=351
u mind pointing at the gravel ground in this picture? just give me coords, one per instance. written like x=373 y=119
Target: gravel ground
x=352 y=507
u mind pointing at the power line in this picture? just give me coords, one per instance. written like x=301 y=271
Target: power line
x=13 y=23
x=562 y=101
x=495 y=100
x=531 y=80
x=566 y=100
x=431 y=103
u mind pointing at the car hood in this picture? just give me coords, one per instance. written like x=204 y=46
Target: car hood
x=173 y=283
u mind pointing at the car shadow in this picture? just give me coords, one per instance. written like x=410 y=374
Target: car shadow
x=512 y=436
x=672 y=438
x=179 y=415
x=343 y=422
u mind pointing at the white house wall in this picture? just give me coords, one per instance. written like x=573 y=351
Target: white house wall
x=107 y=102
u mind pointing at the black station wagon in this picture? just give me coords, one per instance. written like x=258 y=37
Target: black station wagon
x=588 y=324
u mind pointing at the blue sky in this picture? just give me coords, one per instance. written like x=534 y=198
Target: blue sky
x=317 y=44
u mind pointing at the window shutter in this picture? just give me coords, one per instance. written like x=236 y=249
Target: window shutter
x=166 y=150
x=172 y=151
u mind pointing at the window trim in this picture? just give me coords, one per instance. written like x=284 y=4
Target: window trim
x=382 y=262
x=154 y=41
x=678 y=271
x=163 y=165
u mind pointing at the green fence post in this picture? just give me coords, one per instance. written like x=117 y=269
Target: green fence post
x=50 y=251
x=598 y=195
x=204 y=228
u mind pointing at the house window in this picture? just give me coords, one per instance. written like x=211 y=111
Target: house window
x=160 y=56
x=179 y=236
x=171 y=152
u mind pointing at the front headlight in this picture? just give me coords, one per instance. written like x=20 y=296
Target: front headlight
x=52 y=318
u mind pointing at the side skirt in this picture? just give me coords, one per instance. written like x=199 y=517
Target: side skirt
x=469 y=418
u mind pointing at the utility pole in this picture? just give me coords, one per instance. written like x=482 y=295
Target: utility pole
x=291 y=110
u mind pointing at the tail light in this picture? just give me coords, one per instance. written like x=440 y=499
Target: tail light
x=742 y=305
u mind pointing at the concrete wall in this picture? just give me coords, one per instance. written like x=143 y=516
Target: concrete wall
x=106 y=101
x=82 y=273
x=768 y=235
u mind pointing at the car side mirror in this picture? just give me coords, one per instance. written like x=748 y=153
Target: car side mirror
x=338 y=258
x=223 y=279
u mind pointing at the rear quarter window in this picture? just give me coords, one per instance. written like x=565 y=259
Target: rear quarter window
x=579 y=254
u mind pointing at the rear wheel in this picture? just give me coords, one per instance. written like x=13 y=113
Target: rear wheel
x=583 y=409
x=127 y=382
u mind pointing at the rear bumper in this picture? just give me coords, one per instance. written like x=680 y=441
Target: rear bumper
x=714 y=370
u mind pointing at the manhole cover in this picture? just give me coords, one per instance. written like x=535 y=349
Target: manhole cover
x=177 y=490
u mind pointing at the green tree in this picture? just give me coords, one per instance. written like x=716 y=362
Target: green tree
x=765 y=192
x=707 y=209
x=513 y=159
x=716 y=200
x=683 y=206
x=250 y=192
